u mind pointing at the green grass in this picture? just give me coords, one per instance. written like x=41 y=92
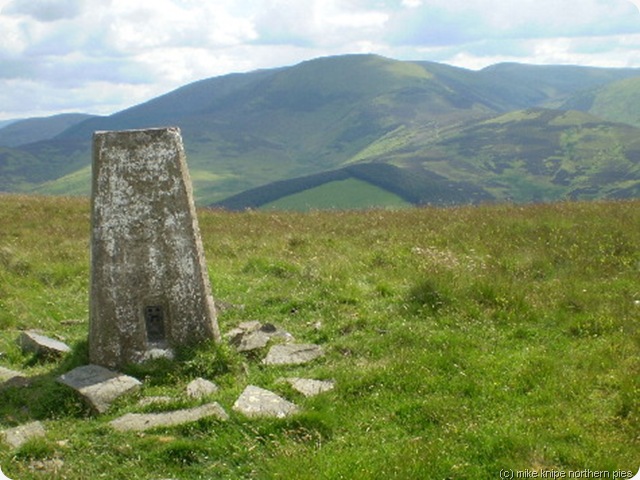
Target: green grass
x=463 y=341
x=342 y=194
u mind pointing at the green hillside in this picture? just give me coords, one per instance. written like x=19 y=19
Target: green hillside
x=617 y=102
x=16 y=167
x=546 y=85
x=464 y=342
x=339 y=195
x=23 y=132
x=523 y=156
x=415 y=186
x=245 y=131
x=541 y=155
x=278 y=124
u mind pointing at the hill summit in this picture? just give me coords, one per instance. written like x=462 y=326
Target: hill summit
x=381 y=132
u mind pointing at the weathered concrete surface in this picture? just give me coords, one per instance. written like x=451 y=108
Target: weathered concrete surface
x=258 y=402
x=293 y=354
x=309 y=387
x=99 y=386
x=200 y=388
x=150 y=287
x=34 y=342
x=18 y=436
x=141 y=421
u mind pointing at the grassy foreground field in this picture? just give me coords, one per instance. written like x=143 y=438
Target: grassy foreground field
x=464 y=341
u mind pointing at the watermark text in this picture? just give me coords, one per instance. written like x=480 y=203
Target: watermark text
x=508 y=474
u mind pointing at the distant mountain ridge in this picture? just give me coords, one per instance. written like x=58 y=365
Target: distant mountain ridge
x=23 y=132
x=428 y=132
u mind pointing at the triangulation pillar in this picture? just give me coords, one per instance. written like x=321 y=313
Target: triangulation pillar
x=150 y=289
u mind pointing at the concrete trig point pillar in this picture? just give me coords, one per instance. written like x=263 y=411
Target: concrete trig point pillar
x=149 y=282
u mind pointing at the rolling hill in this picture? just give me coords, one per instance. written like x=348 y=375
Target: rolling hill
x=420 y=131
x=617 y=101
x=23 y=132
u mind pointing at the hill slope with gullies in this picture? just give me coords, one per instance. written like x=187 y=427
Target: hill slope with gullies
x=422 y=132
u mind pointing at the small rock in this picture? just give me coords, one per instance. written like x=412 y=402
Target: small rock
x=258 y=402
x=268 y=328
x=156 y=353
x=253 y=341
x=33 y=342
x=99 y=386
x=11 y=378
x=278 y=332
x=310 y=388
x=140 y=422
x=18 y=436
x=250 y=326
x=50 y=466
x=7 y=374
x=234 y=336
x=293 y=354
x=252 y=335
x=200 y=388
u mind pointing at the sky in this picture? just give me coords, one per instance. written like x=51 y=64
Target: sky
x=100 y=57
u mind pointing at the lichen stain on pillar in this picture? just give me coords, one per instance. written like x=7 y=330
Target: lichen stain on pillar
x=149 y=287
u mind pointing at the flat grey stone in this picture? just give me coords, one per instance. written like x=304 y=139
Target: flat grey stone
x=234 y=336
x=18 y=436
x=200 y=388
x=258 y=402
x=11 y=378
x=140 y=421
x=250 y=326
x=33 y=342
x=253 y=341
x=7 y=374
x=99 y=386
x=309 y=387
x=276 y=332
x=252 y=335
x=293 y=354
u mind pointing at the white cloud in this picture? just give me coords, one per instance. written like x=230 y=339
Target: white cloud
x=95 y=56
x=636 y=3
x=46 y=10
x=317 y=22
